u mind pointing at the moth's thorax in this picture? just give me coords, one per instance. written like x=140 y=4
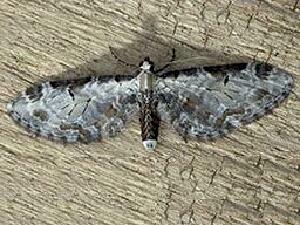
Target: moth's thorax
x=146 y=80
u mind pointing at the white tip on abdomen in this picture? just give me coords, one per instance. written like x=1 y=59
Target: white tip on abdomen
x=150 y=144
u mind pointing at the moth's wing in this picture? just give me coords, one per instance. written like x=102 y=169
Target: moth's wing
x=85 y=109
x=210 y=101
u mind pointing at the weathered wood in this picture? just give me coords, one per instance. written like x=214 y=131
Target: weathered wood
x=250 y=177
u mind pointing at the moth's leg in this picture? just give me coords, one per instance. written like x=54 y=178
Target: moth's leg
x=120 y=60
x=162 y=70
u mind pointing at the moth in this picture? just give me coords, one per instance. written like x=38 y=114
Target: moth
x=205 y=103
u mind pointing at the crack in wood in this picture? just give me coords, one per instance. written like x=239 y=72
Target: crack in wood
x=175 y=26
x=215 y=172
x=190 y=214
x=189 y=167
x=203 y=9
x=225 y=11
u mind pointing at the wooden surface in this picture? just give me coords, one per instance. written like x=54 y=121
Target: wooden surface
x=250 y=177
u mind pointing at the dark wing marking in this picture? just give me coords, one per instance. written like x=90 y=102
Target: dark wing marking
x=208 y=102
x=85 y=109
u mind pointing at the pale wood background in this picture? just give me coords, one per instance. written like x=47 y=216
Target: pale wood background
x=250 y=177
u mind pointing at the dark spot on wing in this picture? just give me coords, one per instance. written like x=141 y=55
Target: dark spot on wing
x=111 y=111
x=117 y=78
x=71 y=93
x=226 y=80
x=85 y=135
x=106 y=78
x=72 y=83
x=226 y=67
x=80 y=82
x=41 y=114
x=58 y=83
x=34 y=91
x=130 y=99
x=229 y=112
x=190 y=104
x=64 y=139
x=98 y=125
x=210 y=69
x=68 y=126
x=263 y=69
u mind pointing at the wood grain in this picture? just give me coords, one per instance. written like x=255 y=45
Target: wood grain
x=250 y=177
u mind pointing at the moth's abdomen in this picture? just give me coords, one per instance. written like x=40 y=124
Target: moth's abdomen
x=149 y=123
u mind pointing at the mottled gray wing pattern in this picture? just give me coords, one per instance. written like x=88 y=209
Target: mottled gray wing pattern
x=208 y=102
x=85 y=109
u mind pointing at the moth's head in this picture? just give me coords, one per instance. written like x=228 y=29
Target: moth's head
x=147 y=64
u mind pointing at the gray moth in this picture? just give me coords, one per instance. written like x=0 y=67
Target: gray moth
x=205 y=103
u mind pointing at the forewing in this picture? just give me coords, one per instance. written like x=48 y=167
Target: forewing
x=85 y=109
x=210 y=101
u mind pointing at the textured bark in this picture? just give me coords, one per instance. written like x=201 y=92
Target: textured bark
x=250 y=177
